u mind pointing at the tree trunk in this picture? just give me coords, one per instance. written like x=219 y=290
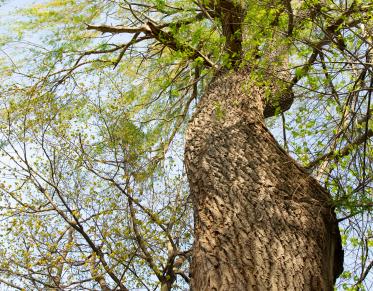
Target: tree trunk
x=261 y=222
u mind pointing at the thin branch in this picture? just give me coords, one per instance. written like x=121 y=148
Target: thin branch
x=131 y=42
x=148 y=257
x=367 y=130
x=119 y=29
x=284 y=131
x=330 y=32
x=11 y=284
x=343 y=152
x=290 y=12
x=365 y=274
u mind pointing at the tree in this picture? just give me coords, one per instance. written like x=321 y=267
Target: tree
x=94 y=193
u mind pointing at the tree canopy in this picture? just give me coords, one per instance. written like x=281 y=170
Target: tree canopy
x=95 y=98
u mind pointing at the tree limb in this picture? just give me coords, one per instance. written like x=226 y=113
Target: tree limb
x=343 y=152
x=119 y=29
x=160 y=35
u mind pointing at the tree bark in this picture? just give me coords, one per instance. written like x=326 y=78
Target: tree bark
x=261 y=222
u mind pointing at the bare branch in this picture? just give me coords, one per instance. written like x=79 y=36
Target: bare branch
x=119 y=29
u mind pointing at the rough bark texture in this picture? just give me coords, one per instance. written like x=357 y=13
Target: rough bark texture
x=261 y=222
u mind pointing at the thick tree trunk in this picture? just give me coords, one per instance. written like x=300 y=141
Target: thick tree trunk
x=261 y=222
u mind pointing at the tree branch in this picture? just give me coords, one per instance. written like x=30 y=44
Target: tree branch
x=331 y=31
x=119 y=29
x=160 y=35
x=343 y=152
x=365 y=274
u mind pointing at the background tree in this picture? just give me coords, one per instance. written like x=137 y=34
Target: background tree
x=94 y=194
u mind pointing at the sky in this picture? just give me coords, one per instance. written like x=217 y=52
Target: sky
x=11 y=5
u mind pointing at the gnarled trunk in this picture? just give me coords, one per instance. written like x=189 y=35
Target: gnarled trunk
x=261 y=222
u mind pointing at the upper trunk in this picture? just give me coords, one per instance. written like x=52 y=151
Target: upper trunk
x=261 y=222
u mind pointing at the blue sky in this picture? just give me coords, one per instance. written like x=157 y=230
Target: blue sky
x=11 y=5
